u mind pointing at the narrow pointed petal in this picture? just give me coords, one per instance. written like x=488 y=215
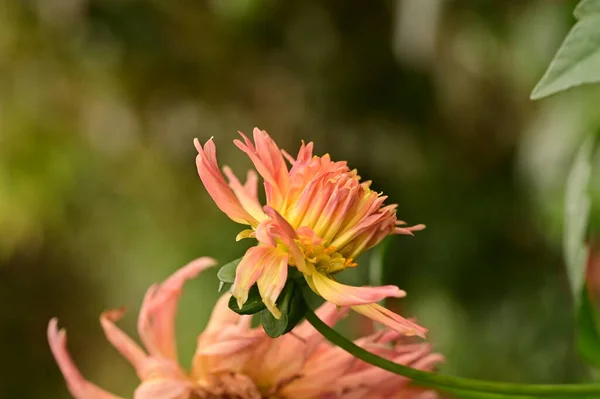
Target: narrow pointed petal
x=269 y=163
x=156 y=322
x=78 y=386
x=283 y=224
x=248 y=233
x=247 y=196
x=121 y=341
x=248 y=272
x=217 y=187
x=390 y=319
x=272 y=280
x=271 y=155
x=251 y=185
x=346 y=295
x=286 y=233
x=266 y=232
x=409 y=230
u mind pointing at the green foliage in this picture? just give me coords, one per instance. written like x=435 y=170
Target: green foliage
x=577 y=214
x=293 y=308
x=577 y=211
x=587 y=8
x=290 y=302
x=254 y=303
x=226 y=273
x=98 y=190
x=577 y=61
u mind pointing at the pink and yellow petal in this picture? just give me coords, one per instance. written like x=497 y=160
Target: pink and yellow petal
x=78 y=386
x=217 y=187
x=156 y=322
x=390 y=319
x=248 y=271
x=246 y=195
x=272 y=157
x=269 y=163
x=121 y=341
x=272 y=279
x=226 y=340
x=286 y=233
x=345 y=295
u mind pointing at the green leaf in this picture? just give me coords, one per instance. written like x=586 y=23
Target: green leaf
x=293 y=308
x=577 y=61
x=587 y=8
x=577 y=219
x=588 y=332
x=577 y=212
x=254 y=304
x=226 y=273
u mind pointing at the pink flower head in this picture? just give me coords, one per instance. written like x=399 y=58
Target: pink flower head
x=225 y=342
x=319 y=218
x=234 y=360
x=303 y=365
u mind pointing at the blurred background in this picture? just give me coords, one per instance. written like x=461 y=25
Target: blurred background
x=99 y=196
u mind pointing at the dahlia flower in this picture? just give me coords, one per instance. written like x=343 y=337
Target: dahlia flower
x=233 y=360
x=221 y=348
x=319 y=217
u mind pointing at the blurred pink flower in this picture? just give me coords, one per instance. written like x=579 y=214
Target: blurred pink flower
x=319 y=217
x=223 y=345
x=303 y=365
x=233 y=360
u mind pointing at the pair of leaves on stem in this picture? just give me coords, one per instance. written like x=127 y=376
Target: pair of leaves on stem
x=290 y=302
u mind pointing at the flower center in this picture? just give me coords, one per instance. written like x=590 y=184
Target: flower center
x=325 y=258
x=227 y=386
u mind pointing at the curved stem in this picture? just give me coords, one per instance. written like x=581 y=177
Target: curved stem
x=451 y=384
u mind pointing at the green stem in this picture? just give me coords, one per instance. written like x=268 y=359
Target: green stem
x=458 y=385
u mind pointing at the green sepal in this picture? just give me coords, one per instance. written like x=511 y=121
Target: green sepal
x=226 y=273
x=297 y=276
x=293 y=308
x=254 y=303
x=222 y=286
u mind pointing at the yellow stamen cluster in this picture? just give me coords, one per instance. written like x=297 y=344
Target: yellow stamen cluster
x=326 y=259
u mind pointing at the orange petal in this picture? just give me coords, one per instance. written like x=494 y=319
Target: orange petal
x=246 y=194
x=272 y=279
x=217 y=187
x=346 y=295
x=156 y=322
x=121 y=341
x=78 y=386
x=269 y=162
x=248 y=272
x=390 y=319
